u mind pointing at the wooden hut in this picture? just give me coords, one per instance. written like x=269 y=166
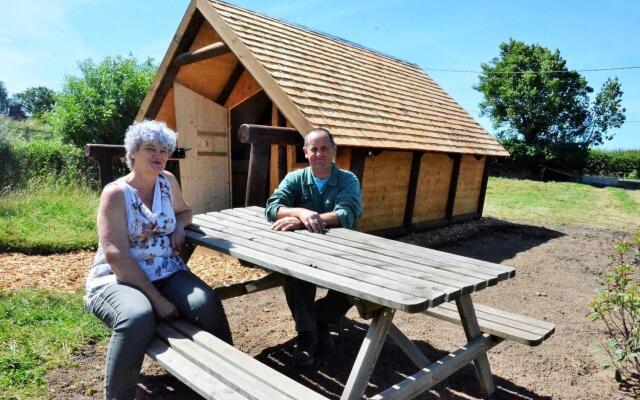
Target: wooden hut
x=420 y=157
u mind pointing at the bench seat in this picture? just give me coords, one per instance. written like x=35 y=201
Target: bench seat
x=501 y=324
x=216 y=370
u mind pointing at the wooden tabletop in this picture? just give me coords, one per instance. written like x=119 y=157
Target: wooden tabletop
x=387 y=272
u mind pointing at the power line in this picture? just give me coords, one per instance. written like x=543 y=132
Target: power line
x=467 y=71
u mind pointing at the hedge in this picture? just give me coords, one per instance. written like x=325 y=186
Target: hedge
x=617 y=163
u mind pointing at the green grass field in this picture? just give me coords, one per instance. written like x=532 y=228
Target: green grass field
x=48 y=219
x=562 y=203
x=39 y=331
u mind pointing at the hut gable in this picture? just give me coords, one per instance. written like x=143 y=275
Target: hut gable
x=365 y=98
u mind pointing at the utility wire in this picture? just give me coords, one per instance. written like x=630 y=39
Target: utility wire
x=466 y=71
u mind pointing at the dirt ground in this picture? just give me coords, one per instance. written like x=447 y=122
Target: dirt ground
x=558 y=269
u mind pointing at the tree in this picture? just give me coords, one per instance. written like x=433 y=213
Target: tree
x=15 y=109
x=4 y=99
x=37 y=100
x=534 y=98
x=99 y=106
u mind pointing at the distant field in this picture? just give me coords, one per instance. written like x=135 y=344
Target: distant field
x=562 y=203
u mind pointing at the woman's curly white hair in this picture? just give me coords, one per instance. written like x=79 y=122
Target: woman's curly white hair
x=147 y=131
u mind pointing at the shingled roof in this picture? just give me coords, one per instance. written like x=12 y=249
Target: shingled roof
x=364 y=97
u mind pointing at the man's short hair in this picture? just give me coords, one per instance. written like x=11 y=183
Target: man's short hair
x=324 y=130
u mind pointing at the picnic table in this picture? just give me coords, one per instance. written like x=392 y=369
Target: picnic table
x=381 y=276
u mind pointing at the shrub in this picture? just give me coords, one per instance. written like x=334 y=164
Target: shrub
x=618 y=307
x=619 y=163
x=100 y=105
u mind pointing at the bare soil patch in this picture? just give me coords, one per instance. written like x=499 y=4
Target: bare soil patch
x=558 y=269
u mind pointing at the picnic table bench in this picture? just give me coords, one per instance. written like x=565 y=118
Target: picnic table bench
x=382 y=276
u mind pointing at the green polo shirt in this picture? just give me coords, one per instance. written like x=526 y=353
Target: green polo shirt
x=341 y=194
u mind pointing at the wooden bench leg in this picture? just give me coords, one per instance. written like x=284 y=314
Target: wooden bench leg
x=410 y=349
x=472 y=331
x=368 y=355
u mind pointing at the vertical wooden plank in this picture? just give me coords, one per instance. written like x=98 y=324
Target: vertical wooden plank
x=204 y=173
x=368 y=355
x=453 y=185
x=412 y=187
x=358 y=157
x=257 y=179
x=483 y=187
x=469 y=322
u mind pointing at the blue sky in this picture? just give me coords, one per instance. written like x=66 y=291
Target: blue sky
x=41 y=41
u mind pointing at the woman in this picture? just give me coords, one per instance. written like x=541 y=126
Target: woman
x=137 y=271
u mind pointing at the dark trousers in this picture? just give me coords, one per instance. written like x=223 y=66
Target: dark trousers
x=308 y=313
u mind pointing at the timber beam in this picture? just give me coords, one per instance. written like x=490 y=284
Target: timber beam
x=261 y=138
x=263 y=134
x=202 y=53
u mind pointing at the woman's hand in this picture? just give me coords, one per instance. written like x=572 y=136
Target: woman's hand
x=287 y=224
x=177 y=238
x=165 y=309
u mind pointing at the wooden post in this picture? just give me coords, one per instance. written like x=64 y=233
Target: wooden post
x=483 y=187
x=261 y=138
x=358 y=157
x=453 y=186
x=411 y=190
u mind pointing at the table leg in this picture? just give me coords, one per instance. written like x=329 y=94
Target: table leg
x=410 y=349
x=368 y=355
x=472 y=331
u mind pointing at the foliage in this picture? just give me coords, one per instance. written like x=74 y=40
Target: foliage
x=29 y=151
x=39 y=332
x=534 y=98
x=15 y=109
x=47 y=218
x=570 y=203
x=619 y=163
x=37 y=100
x=618 y=307
x=4 y=98
x=98 y=106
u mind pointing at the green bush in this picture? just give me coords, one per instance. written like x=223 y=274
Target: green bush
x=618 y=307
x=99 y=106
x=619 y=163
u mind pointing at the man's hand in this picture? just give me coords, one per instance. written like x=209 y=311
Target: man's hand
x=287 y=224
x=165 y=309
x=312 y=220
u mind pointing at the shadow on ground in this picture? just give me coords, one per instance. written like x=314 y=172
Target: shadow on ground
x=331 y=371
x=503 y=239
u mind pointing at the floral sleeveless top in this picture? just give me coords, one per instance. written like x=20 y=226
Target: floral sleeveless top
x=149 y=242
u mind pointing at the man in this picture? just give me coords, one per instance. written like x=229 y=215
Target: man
x=315 y=198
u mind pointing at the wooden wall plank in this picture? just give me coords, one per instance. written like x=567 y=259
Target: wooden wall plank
x=204 y=178
x=483 y=187
x=453 y=185
x=412 y=188
x=469 y=185
x=433 y=187
x=384 y=190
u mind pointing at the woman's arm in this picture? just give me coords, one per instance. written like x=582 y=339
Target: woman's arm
x=114 y=237
x=182 y=210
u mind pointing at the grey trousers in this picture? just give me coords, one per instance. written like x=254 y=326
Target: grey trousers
x=128 y=313
x=308 y=313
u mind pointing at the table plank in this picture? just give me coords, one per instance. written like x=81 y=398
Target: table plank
x=372 y=243
x=258 y=254
x=477 y=276
x=449 y=282
x=281 y=247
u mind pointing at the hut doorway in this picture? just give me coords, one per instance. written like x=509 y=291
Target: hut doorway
x=203 y=130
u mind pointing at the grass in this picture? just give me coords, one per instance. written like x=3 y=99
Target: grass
x=47 y=218
x=39 y=331
x=562 y=203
